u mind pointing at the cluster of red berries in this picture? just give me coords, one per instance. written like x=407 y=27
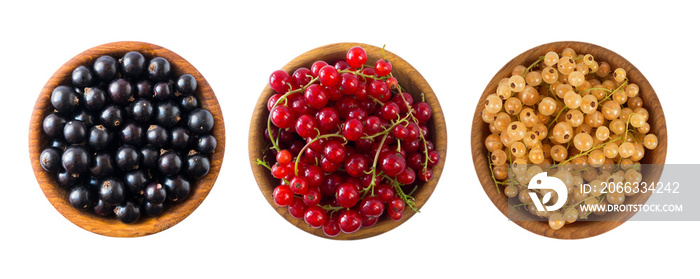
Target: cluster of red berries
x=349 y=144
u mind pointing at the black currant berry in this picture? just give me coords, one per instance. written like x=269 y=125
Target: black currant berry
x=50 y=159
x=155 y=193
x=68 y=180
x=167 y=114
x=127 y=158
x=187 y=103
x=102 y=165
x=74 y=132
x=111 y=117
x=103 y=209
x=75 y=159
x=177 y=187
x=86 y=117
x=94 y=98
x=186 y=84
x=179 y=138
x=64 y=99
x=99 y=138
x=206 y=144
x=53 y=125
x=158 y=69
x=120 y=91
x=149 y=157
x=131 y=134
x=105 y=68
x=161 y=91
x=82 y=77
x=152 y=209
x=132 y=64
x=81 y=198
x=169 y=163
x=128 y=212
x=136 y=182
x=112 y=191
x=144 y=89
x=200 y=121
x=197 y=166
x=141 y=110
x=157 y=136
x=59 y=144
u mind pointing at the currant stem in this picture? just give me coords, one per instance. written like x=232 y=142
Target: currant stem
x=532 y=66
x=296 y=162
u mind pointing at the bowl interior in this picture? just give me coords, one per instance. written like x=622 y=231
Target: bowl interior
x=410 y=80
x=581 y=229
x=111 y=226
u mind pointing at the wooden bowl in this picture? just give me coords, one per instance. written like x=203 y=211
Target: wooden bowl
x=410 y=80
x=580 y=229
x=58 y=196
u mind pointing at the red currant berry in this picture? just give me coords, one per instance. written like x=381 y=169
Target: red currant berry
x=396 y=204
x=298 y=185
x=315 y=216
x=393 y=163
x=331 y=227
x=368 y=72
x=392 y=83
x=385 y=192
x=341 y=65
x=273 y=101
x=312 y=197
x=425 y=174
x=333 y=93
x=371 y=206
x=412 y=146
x=282 y=117
x=382 y=67
x=296 y=146
x=282 y=195
x=284 y=156
x=361 y=93
x=331 y=184
x=349 y=221
x=364 y=145
x=407 y=176
x=279 y=80
x=328 y=76
x=369 y=221
x=389 y=111
x=315 y=96
x=347 y=195
x=315 y=176
x=328 y=166
x=316 y=66
x=399 y=131
x=373 y=125
x=306 y=126
x=379 y=91
x=415 y=161
x=356 y=165
x=299 y=105
x=334 y=151
x=356 y=57
x=301 y=77
x=423 y=112
x=404 y=100
x=413 y=132
x=348 y=83
x=366 y=180
x=328 y=119
x=433 y=158
x=352 y=129
x=279 y=171
x=395 y=215
x=297 y=208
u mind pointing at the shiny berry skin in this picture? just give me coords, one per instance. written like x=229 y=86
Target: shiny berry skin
x=149 y=157
x=297 y=208
x=169 y=163
x=157 y=136
x=356 y=165
x=111 y=117
x=279 y=80
x=423 y=112
x=315 y=216
x=356 y=57
x=282 y=117
x=315 y=96
x=74 y=132
x=155 y=193
x=142 y=110
x=94 y=98
x=328 y=76
x=382 y=67
x=152 y=209
x=103 y=209
x=205 y=144
x=407 y=176
x=53 y=125
x=434 y=158
x=399 y=131
x=316 y=67
x=120 y=91
x=187 y=103
x=136 y=181
x=353 y=129
x=389 y=111
x=127 y=158
x=131 y=134
x=392 y=163
x=385 y=192
x=177 y=187
x=75 y=159
x=401 y=100
x=315 y=176
x=180 y=138
x=105 y=68
x=82 y=77
x=392 y=83
x=102 y=165
x=112 y=191
x=348 y=83
x=301 y=77
x=425 y=174
x=379 y=90
x=81 y=198
x=186 y=84
x=64 y=99
x=200 y=121
x=312 y=197
x=328 y=119
x=128 y=212
x=298 y=185
x=347 y=195
x=167 y=114
x=396 y=216
x=197 y=166
x=50 y=159
x=282 y=195
x=373 y=125
x=331 y=227
x=334 y=151
x=371 y=206
x=283 y=157
x=349 y=221
x=396 y=204
x=161 y=91
x=132 y=64
x=272 y=101
x=306 y=126
x=158 y=69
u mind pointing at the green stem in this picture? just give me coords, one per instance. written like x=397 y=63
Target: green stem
x=296 y=162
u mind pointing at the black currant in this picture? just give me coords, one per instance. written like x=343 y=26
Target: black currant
x=68 y=180
x=59 y=144
x=74 y=132
x=111 y=117
x=179 y=138
x=141 y=110
x=149 y=157
x=152 y=209
x=197 y=166
x=131 y=134
x=161 y=91
x=187 y=103
x=186 y=84
x=53 y=125
x=94 y=98
x=81 y=198
x=132 y=64
x=105 y=67
x=50 y=159
x=112 y=191
x=64 y=99
x=103 y=209
x=200 y=121
x=169 y=163
x=75 y=159
x=136 y=181
x=155 y=193
x=206 y=144
x=158 y=69
x=86 y=117
x=157 y=136
x=102 y=165
x=99 y=138
x=82 y=77
x=120 y=91
x=177 y=187
x=167 y=114
x=144 y=89
x=127 y=158
x=128 y=212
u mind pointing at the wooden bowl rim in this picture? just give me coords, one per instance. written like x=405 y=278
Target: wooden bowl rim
x=400 y=67
x=581 y=229
x=111 y=226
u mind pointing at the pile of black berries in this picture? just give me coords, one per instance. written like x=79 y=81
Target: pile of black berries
x=128 y=138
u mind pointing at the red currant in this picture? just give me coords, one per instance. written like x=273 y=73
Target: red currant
x=356 y=57
x=392 y=83
x=315 y=216
x=298 y=185
x=356 y=165
x=433 y=158
x=399 y=131
x=297 y=208
x=393 y=163
x=301 y=77
x=306 y=126
x=425 y=174
x=347 y=195
x=382 y=67
x=373 y=125
x=284 y=156
x=331 y=227
x=328 y=119
x=315 y=96
x=316 y=66
x=282 y=195
x=315 y=176
x=312 y=197
x=352 y=129
x=389 y=111
x=423 y=112
x=385 y=192
x=279 y=80
x=349 y=221
x=348 y=83
x=273 y=101
x=328 y=166
x=333 y=93
x=371 y=206
x=334 y=151
x=341 y=65
x=369 y=221
x=396 y=204
x=379 y=91
x=328 y=76
x=395 y=215
x=404 y=100
x=282 y=117
x=407 y=176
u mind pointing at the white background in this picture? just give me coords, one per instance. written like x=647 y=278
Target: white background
x=235 y=233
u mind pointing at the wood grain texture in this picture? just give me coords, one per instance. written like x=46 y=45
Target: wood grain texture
x=657 y=121
x=57 y=195
x=409 y=79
